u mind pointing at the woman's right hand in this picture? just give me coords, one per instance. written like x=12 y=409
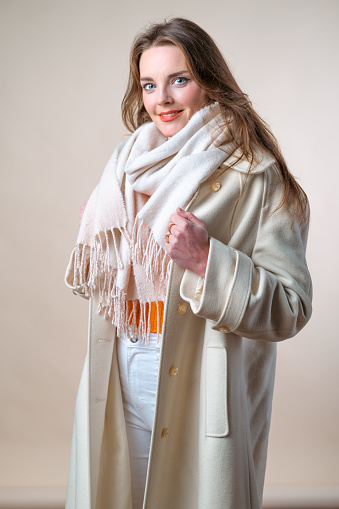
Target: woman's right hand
x=82 y=210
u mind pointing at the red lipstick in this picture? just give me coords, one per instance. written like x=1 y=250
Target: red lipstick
x=167 y=116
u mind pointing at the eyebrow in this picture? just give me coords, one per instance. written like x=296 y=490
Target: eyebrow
x=147 y=78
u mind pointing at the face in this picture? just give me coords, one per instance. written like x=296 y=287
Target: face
x=170 y=94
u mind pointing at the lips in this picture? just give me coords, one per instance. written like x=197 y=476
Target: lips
x=167 y=116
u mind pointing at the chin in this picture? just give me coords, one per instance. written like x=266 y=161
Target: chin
x=170 y=131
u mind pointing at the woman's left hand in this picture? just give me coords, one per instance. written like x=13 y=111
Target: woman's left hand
x=188 y=242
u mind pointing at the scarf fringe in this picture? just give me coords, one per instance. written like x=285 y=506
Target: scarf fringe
x=93 y=271
x=120 y=246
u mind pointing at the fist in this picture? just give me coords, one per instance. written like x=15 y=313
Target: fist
x=188 y=242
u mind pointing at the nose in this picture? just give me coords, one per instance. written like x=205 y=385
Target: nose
x=164 y=96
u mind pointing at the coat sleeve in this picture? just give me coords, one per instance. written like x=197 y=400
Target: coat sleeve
x=266 y=295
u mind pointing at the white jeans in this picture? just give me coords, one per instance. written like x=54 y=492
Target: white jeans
x=138 y=368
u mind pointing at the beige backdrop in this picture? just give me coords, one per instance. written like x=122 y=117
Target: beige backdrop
x=63 y=72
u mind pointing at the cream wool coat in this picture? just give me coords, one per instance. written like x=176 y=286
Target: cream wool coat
x=209 y=443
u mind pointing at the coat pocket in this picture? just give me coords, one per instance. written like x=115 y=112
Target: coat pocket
x=216 y=417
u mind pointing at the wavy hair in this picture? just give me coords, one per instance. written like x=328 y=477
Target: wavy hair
x=208 y=68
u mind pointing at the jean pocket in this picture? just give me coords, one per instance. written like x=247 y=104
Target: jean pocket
x=134 y=369
x=216 y=416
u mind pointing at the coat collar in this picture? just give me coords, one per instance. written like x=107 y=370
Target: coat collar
x=265 y=160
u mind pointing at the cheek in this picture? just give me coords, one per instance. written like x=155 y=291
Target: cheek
x=147 y=100
x=196 y=99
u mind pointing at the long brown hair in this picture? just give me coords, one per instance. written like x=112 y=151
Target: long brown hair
x=209 y=69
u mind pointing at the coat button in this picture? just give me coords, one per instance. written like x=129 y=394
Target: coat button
x=164 y=433
x=182 y=308
x=215 y=186
x=173 y=370
x=223 y=329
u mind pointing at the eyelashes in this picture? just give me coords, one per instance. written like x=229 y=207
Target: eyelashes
x=148 y=87
x=179 y=81
x=182 y=79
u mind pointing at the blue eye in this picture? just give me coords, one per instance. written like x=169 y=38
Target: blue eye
x=148 y=87
x=180 y=80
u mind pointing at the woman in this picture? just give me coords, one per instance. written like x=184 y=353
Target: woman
x=192 y=249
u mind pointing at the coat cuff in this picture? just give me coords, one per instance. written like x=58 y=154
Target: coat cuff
x=226 y=287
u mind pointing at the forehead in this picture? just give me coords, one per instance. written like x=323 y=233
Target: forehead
x=163 y=60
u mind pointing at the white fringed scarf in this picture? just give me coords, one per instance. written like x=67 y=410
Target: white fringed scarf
x=120 y=249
